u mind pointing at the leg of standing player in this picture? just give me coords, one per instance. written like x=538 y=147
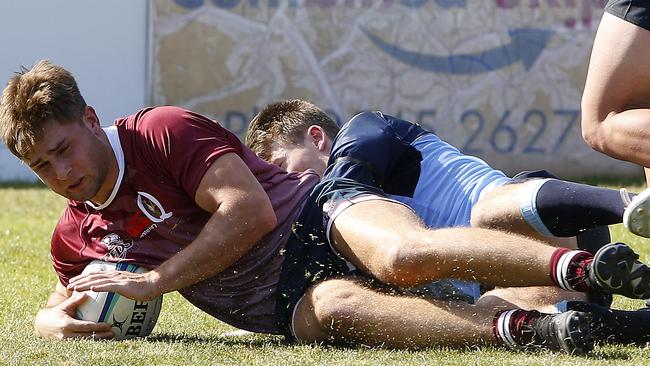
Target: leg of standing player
x=616 y=100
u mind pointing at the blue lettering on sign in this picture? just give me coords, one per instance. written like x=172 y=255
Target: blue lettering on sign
x=425 y=118
x=469 y=147
x=236 y=122
x=526 y=46
x=571 y=117
x=506 y=133
x=530 y=117
x=501 y=137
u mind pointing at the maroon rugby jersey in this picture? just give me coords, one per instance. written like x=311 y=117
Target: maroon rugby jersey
x=151 y=215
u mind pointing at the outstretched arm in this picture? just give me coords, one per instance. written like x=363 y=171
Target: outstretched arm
x=242 y=215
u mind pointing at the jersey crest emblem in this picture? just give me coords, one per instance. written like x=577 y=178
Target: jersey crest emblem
x=117 y=248
x=152 y=208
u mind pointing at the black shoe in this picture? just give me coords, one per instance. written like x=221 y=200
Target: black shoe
x=616 y=269
x=615 y=326
x=568 y=331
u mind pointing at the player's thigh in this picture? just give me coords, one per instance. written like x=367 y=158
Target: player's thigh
x=350 y=310
x=619 y=71
x=501 y=207
x=369 y=232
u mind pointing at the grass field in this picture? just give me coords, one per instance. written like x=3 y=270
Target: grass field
x=185 y=335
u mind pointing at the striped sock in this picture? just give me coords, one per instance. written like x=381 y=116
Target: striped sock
x=568 y=269
x=512 y=328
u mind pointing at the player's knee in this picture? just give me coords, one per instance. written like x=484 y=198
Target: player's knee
x=336 y=304
x=592 y=132
x=403 y=264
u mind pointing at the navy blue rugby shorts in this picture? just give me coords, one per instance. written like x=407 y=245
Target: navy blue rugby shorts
x=309 y=257
x=636 y=12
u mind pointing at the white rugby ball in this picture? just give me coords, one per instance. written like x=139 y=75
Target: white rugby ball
x=130 y=318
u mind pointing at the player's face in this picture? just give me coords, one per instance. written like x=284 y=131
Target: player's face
x=73 y=159
x=298 y=157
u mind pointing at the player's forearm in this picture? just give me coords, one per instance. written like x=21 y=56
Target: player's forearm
x=229 y=234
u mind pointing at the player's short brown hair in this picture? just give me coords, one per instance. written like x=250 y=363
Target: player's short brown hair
x=33 y=96
x=286 y=121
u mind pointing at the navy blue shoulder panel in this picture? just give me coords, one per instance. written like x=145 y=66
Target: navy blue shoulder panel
x=374 y=149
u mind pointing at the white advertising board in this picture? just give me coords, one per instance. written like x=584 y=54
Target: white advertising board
x=103 y=43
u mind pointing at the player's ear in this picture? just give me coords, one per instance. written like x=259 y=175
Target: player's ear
x=317 y=136
x=90 y=118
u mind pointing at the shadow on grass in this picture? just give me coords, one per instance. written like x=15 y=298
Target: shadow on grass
x=261 y=341
x=252 y=340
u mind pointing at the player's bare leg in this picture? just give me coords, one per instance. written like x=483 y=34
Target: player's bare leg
x=616 y=100
x=349 y=312
x=541 y=298
x=501 y=209
x=553 y=208
x=386 y=240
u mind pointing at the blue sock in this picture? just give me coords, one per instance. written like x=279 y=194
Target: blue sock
x=568 y=209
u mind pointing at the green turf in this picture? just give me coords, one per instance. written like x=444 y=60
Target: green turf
x=185 y=335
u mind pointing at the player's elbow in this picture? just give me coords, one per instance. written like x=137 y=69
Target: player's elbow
x=267 y=221
x=264 y=216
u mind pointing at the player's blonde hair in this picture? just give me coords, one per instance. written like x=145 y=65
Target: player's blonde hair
x=286 y=121
x=33 y=96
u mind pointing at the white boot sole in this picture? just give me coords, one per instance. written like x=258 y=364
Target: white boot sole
x=636 y=217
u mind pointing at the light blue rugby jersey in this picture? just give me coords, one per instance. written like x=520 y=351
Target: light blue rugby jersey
x=450 y=183
x=413 y=166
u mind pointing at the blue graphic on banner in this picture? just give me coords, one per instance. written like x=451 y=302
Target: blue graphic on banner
x=526 y=46
x=190 y=4
x=451 y=3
